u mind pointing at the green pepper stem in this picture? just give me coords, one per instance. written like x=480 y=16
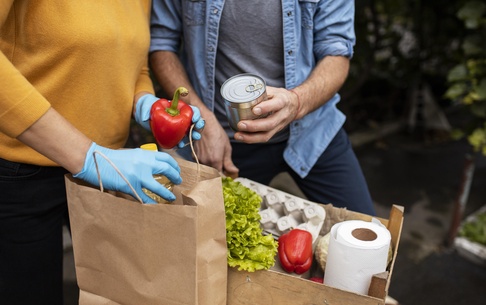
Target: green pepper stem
x=172 y=110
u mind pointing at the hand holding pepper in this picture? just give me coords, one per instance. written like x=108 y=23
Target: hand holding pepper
x=190 y=114
x=295 y=251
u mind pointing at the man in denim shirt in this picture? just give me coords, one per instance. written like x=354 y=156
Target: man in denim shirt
x=301 y=48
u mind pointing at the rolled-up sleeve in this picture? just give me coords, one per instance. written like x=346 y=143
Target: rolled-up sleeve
x=21 y=105
x=334 y=28
x=165 y=26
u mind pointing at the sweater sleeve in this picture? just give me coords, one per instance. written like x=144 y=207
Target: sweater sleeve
x=21 y=105
x=144 y=81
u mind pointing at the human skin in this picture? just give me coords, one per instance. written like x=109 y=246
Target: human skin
x=54 y=137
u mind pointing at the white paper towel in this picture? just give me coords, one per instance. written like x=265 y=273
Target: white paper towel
x=352 y=261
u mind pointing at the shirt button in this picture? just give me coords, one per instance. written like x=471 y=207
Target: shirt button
x=290 y=52
x=211 y=49
x=215 y=11
x=289 y=13
x=303 y=169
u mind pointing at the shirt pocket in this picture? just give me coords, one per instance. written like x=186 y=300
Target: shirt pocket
x=308 y=9
x=194 y=11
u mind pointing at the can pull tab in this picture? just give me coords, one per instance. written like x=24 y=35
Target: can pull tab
x=254 y=87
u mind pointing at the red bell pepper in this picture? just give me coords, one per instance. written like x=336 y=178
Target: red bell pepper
x=171 y=120
x=295 y=251
x=317 y=279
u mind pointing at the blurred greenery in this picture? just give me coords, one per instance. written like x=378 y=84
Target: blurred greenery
x=406 y=44
x=467 y=79
x=401 y=45
x=475 y=229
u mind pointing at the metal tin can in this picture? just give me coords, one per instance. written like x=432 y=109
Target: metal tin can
x=241 y=93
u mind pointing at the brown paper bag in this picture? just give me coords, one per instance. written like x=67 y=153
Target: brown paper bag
x=138 y=254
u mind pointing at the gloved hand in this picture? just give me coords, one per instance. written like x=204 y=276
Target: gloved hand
x=198 y=127
x=137 y=165
x=142 y=116
x=142 y=110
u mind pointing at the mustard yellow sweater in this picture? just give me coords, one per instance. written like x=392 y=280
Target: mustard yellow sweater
x=86 y=59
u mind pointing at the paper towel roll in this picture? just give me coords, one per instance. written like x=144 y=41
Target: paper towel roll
x=357 y=250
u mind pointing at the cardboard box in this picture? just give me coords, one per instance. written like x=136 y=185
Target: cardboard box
x=279 y=288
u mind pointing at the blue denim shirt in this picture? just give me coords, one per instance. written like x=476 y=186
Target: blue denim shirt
x=312 y=30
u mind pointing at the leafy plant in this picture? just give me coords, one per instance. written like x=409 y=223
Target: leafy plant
x=467 y=80
x=248 y=248
x=475 y=230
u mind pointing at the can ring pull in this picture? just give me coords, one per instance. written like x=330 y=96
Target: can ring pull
x=254 y=87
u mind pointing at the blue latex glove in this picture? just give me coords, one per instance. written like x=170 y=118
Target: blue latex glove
x=142 y=110
x=198 y=127
x=142 y=116
x=137 y=165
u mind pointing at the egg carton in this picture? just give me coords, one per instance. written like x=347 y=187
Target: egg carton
x=280 y=212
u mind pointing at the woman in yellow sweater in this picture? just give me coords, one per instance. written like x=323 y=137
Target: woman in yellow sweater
x=72 y=74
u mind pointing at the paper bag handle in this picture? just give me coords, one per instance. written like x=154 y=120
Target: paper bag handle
x=116 y=169
x=194 y=152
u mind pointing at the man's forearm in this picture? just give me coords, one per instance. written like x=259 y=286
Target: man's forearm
x=323 y=83
x=170 y=75
x=168 y=71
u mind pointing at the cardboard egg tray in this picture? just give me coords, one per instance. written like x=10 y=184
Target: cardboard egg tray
x=280 y=212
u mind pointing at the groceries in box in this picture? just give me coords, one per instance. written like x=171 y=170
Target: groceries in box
x=281 y=212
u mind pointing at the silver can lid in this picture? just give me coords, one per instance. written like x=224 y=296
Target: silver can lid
x=243 y=88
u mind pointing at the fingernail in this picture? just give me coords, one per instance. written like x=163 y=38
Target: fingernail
x=238 y=137
x=257 y=110
x=241 y=126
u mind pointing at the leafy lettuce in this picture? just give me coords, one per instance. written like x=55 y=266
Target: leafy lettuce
x=248 y=248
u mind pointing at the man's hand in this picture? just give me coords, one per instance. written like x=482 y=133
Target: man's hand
x=214 y=148
x=282 y=106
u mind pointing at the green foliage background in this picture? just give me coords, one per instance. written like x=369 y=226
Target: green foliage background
x=467 y=79
x=402 y=44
